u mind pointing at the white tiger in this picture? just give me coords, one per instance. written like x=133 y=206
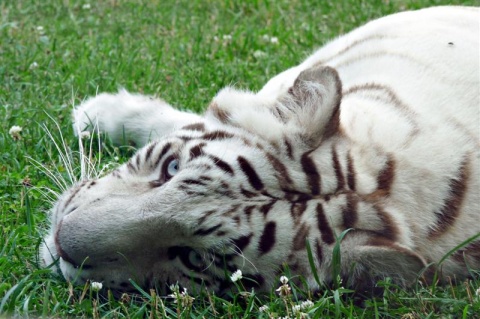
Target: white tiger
x=377 y=132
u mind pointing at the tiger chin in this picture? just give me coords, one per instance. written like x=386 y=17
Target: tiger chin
x=374 y=138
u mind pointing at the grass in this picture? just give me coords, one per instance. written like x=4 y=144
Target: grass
x=55 y=53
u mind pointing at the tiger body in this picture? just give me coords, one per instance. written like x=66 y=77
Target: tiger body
x=376 y=133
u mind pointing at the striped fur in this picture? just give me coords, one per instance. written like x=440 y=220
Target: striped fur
x=376 y=133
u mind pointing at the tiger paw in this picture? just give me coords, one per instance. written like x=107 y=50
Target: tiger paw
x=127 y=118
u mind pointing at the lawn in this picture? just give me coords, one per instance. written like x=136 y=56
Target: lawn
x=55 y=53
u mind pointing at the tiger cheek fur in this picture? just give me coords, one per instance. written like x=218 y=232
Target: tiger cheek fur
x=345 y=141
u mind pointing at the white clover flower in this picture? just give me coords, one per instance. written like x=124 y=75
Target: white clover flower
x=86 y=6
x=307 y=304
x=96 y=286
x=477 y=292
x=237 y=275
x=227 y=37
x=15 y=132
x=296 y=309
x=263 y=308
x=34 y=65
x=215 y=38
x=274 y=40
x=84 y=135
x=40 y=29
x=265 y=38
x=284 y=280
x=259 y=54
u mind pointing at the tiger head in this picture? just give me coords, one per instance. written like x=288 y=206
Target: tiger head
x=229 y=192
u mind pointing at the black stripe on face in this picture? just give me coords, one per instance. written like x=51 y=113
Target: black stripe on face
x=311 y=172
x=451 y=208
x=338 y=170
x=195 y=127
x=224 y=166
x=267 y=240
x=242 y=242
x=250 y=172
x=323 y=226
x=196 y=151
x=207 y=231
x=217 y=135
x=301 y=237
x=350 y=173
x=149 y=151
x=349 y=212
x=164 y=151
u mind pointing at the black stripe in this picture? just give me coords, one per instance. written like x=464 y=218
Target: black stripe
x=195 y=127
x=196 y=151
x=149 y=151
x=267 y=240
x=224 y=166
x=164 y=151
x=217 y=135
x=265 y=209
x=311 y=172
x=242 y=242
x=338 y=170
x=350 y=173
x=207 y=231
x=323 y=226
x=251 y=174
x=448 y=214
x=349 y=212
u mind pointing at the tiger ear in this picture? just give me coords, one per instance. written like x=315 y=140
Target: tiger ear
x=314 y=101
x=309 y=111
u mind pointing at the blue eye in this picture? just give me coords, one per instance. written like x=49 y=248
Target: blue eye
x=172 y=168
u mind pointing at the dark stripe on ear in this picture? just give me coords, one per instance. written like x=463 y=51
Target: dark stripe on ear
x=224 y=166
x=250 y=172
x=267 y=240
x=323 y=226
x=311 y=172
x=219 y=113
x=386 y=176
x=450 y=210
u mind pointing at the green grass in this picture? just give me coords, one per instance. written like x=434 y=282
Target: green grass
x=174 y=49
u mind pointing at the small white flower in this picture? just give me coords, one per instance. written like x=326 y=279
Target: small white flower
x=96 y=286
x=307 y=304
x=259 y=54
x=40 y=29
x=15 y=132
x=85 y=135
x=296 y=309
x=215 y=38
x=263 y=308
x=477 y=292
x=86 y=6
x=265 y=37
x=284 y=280
x=34 y=65
x=274 y=40
x=227 y=38
x=237 y=275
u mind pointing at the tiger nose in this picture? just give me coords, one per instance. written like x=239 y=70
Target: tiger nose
x=60 y=251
